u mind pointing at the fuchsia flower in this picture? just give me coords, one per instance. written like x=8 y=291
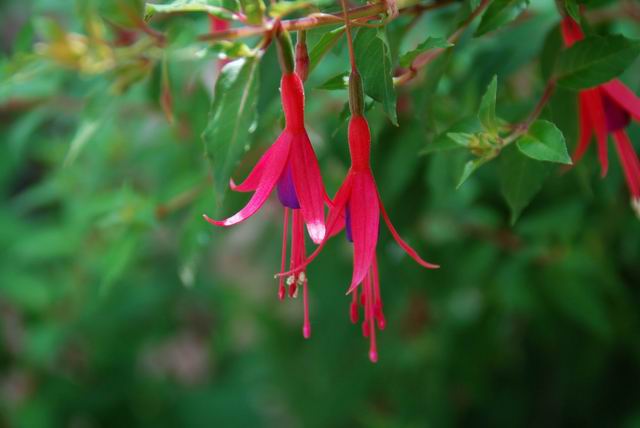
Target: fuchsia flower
x=357 y=207
x=607 y=110
x=289 y=165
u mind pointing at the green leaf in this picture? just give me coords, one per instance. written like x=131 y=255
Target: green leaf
x=573 y=9
x=470 y=167
x=324 y=45
x=282 y=8
x=520 y=179
x=430 y=43
x=231 y=118
x=122 y=12
x=487 y=111
x=551 y=49
x=544 y=142
x=340 y=81
x=595 y=60
x=499 y=13
x=253 y=11
x=462 y=139
x=231 y=49
x=444 y=141
x=183 y=6
x=373 y=57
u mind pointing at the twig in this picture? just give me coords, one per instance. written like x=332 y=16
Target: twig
x=425 y=58
x=358 y=15
x=311 y=21
x=523 y=127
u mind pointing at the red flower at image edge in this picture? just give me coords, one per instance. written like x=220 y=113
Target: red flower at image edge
x=607 y=110
x=290 y=165
x=357 y=207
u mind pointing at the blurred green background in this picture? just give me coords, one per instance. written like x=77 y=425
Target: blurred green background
x=120 y=306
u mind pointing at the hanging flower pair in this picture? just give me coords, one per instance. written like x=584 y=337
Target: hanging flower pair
x=607 y=110
x=291 y=167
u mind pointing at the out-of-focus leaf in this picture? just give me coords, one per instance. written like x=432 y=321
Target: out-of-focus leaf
x=443 y=142
x=117 y=259
x=231 y=49
x=85 y=132
x=182 y=6
x=521 y=179
x=470 y=167
x=231 y=119
x=126 y=13
x=550 y=51
x=573 y=9
x=373 y=57
x=282 y=8
x=430 y=43
x=544 y=142
x=487 y=111
x=323 y=46
x=499 y=13
x=595 y=60
x=340 y=81
x=253 y=11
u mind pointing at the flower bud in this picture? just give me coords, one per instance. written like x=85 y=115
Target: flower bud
x=302 y=56
x=285 y=49
x=356 y=94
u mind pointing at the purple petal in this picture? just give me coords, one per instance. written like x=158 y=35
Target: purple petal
x=617 y=117
x=286 y=190
x=348 y=223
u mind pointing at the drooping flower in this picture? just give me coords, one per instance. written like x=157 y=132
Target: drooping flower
x=289 y=165
x=607 y=110
x=356 y=208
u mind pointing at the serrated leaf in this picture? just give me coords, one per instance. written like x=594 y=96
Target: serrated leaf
x=595 y=60
x=487 y=110
x=373 y=57
x=499 y=13
x=544 y=142
x=324 y=45
x=430 y=43
x=521 y=179
x=231 y=119
x=183 y=6
x=340 y=81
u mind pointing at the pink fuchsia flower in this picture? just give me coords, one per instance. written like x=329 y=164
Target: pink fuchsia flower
x=357 y=207
x=289 y=165
x=607 y=110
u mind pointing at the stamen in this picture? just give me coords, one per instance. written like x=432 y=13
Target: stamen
x=376 y=293
x=285 y=229
x=373 y=349
x=291 y=279
x=306 y=326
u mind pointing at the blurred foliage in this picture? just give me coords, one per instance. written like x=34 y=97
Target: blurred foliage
x=120 y=306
